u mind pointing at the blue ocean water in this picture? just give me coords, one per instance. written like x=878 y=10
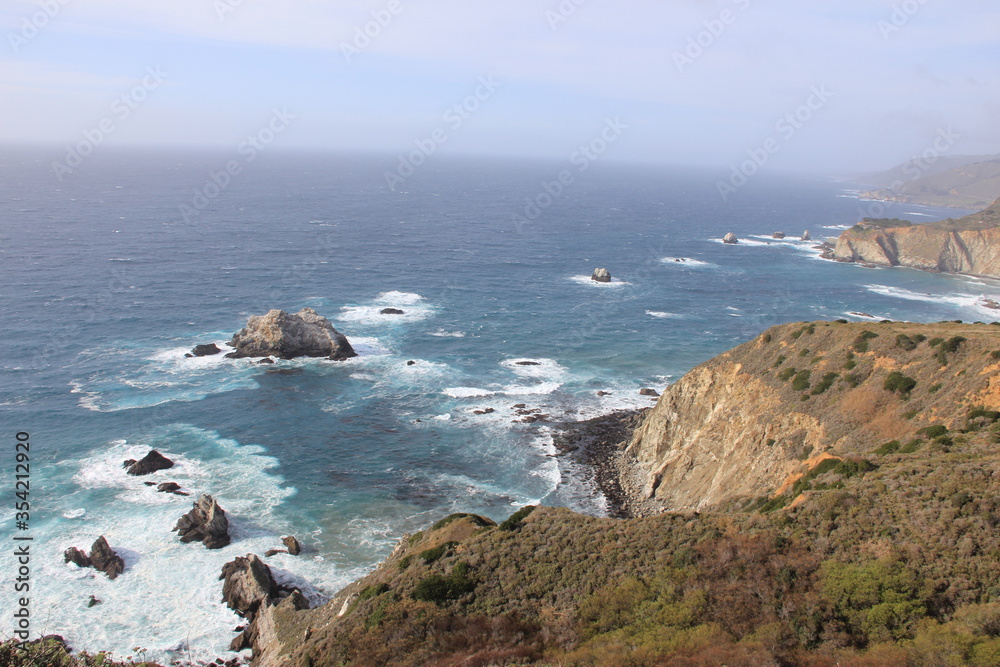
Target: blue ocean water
x=106 y=283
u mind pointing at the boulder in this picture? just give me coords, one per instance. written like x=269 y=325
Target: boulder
x=103 y=558
x=601 y=392
x=274 y=552
x=601 y=276
x=266 y=360
x=93 y=602
x=286 y=336
x=149 y=464
x=646 y=391
x=206 y=350
x=292 y=544
x=806 y=236
x=170 y=487
x=528 y=363
x=391 y=311
x=248 y=584
x=778 y=235
x=78 y=556
x=206 y=522
x=730 y=238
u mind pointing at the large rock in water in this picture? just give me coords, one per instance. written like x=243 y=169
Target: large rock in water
x=283 y=335
x=601 y=276
x=206 y=522
x=103 y=558
x=730 y=238
x=250 y=590
x=149 y=464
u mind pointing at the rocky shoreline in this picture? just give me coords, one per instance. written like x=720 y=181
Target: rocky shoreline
x=600 y=444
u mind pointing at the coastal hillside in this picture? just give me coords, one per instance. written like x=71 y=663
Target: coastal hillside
x=961 y=182
x=831 y=496
x=969 y=245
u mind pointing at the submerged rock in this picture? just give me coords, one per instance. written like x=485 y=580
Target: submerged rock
x=206 y=522
x=286 y=336
x=206 y=350
x=730 y=238
x=601 y=276
x=391 y=311
x=149 y=464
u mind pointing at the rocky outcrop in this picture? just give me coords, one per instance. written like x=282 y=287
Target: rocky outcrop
x=286 y=336
x=391 y=311
x=293 y=545
x=102 y=558
x=806 y=236
x=778 y=235
x=148 y=464
x=206 y=522
x=970 y=245
x=250 y=590
x=206 y=350
x=601 y=276
x=730 y=238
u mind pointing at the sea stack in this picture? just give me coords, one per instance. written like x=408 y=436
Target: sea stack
x=286 y=336
x=601 y=276
x=730 y=238
x=806 y=236
x=206 y=522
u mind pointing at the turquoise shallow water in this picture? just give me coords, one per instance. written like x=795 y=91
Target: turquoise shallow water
x=105 y=285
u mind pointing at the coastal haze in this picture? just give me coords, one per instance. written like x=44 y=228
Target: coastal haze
x=440 y=181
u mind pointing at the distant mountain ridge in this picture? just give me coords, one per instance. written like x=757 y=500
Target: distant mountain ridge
x=960 y=182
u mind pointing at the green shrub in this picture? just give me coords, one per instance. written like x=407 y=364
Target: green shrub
x=911 y=446
x=905 y=342
x=372 y=591
x=853 y=467
x=995 y=354
x=766 y=338
x=953 y=344
x=801 y=381
x=852 y=380
x=825 y=383
x=934 y=388
x=897 y=382
x=439 y=589
x=513 y=522
x=432 y=555
x=888 y=448
x=934 y=342
x=933 y=431
x=405 y=562
x=478 y=520
x=804 y=352
x=786 y=374
x=780 y=360
x=861 y=342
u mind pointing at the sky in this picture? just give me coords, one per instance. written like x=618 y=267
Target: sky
x=826 y=87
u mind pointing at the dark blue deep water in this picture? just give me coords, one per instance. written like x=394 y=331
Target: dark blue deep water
x=105 y=284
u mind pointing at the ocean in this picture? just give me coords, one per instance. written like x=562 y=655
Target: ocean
x=111 y=274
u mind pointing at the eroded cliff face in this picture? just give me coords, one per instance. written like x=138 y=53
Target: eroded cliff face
x=973 y=252
x=745 y=422
x=969 y=245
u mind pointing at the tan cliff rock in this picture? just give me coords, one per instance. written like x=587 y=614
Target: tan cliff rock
x=970 y=245
x=744 y=422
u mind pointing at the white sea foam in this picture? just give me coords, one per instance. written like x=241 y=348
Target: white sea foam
x=167 y=600
x=662 y=314
x=468 y=392
x=394 y=298
x=688 y=262
x=588 y=280
x=441 y=333
x=536 y=368
x=838 y=227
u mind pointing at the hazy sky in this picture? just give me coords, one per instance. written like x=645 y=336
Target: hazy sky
x=689 y=81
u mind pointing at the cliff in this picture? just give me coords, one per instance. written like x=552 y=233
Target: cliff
x=969 y=245
x=967 y=185
x=848 y=495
